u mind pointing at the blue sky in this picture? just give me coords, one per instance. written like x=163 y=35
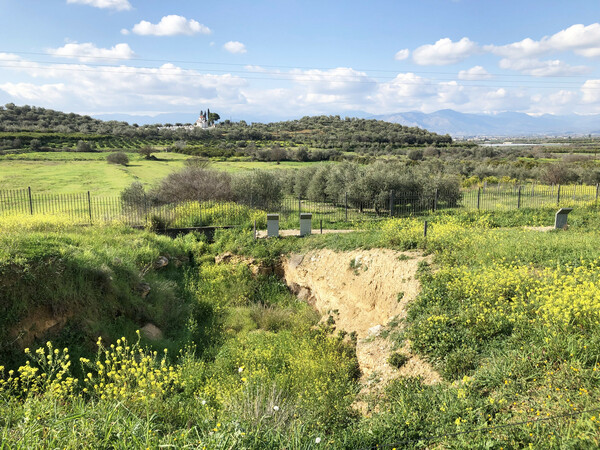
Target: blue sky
x=284 y=59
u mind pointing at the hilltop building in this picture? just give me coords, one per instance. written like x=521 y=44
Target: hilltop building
x=205 y=121
x=202 y=121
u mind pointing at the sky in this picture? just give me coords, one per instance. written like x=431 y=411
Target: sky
x=281 y=59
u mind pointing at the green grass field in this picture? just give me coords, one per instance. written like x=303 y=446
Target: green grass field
x=70 y=172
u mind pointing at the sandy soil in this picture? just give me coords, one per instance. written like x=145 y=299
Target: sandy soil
x=363 y=290
x=284 y=233
x=543 y=229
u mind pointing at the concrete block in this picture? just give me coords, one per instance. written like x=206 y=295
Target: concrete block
x=560 y=219
x=272 y=225
x=305 y=224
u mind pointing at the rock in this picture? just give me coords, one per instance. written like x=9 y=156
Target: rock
x=304 y=293
x=224 y=258
x=143 y=289
x=151 y=332
x=161 y=262
x=296 y=260
x=258 y=270
x=375 y=331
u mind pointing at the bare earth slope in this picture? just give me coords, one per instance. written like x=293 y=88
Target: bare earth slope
x=360 y=289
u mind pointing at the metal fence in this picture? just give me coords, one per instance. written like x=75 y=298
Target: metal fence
x=88 y=208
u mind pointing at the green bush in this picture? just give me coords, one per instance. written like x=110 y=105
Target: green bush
x=398 y=360
x=118 y=158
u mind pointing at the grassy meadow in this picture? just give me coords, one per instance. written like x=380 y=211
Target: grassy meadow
x=508 y=316
x=74 y=172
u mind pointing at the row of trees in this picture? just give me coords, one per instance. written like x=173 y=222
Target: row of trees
x=358 y=185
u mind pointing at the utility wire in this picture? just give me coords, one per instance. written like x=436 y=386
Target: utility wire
x=117 y=58
x=321 y=75
x=285 y=77
x=479 y=430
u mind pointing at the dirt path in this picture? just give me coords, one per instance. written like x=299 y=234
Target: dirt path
x=363 y=290
x=284 y=233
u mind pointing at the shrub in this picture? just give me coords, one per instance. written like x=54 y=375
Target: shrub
x=118 y=158
x=415 y=155
x=259 y=188
x=35 y=144
x=194 y=183
x=134 y=196
x=146 y=151
x=83 y=146
x=397 y=360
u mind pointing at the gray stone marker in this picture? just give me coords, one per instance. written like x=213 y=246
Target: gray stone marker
x=272 y=225
x=305 y=224
x=560 y=220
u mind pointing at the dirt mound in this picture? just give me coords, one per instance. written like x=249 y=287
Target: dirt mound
x=363 y=290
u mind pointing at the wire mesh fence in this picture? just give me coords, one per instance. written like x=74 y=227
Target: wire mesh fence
x=90 y=208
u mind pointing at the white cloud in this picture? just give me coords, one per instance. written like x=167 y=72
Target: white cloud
x=35 y=93
x=123 y=88
x=583 y=40
x=126 y=89
x=170 y=26
x=407 y=91
x=537 y=68
x=235 y=47
x=445 y=52
x=89 y=52
x=251 y=68
x=402 y=54
x=474 y=73
x=119 y=5
x=591 y=91
x=342 y=81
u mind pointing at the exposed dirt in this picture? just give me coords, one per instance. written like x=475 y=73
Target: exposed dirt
x=38 y=324
x=256 y=267
x=363 y=290
x=542 y=229
x=285 y=233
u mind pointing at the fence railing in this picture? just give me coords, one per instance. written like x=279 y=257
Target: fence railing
x=89 y=208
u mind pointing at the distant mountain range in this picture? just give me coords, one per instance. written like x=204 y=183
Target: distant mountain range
x=506 y=124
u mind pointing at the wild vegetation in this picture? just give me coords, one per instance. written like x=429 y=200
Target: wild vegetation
x=118 y=337
x=509 y=318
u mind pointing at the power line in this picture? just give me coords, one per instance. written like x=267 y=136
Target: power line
x=479 y=430
x=121 y=58
x=326 y=75
x=332 y=78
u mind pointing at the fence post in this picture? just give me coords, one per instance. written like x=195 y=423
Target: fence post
x=478 y=197
x=299 y=206
x=146 y=208
x=435 y=200
x=597 y=189
x=391 y=203
x=346 y=203
x=30 y=200
x=89 y=205
x=558 y=196
x=519 y=198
